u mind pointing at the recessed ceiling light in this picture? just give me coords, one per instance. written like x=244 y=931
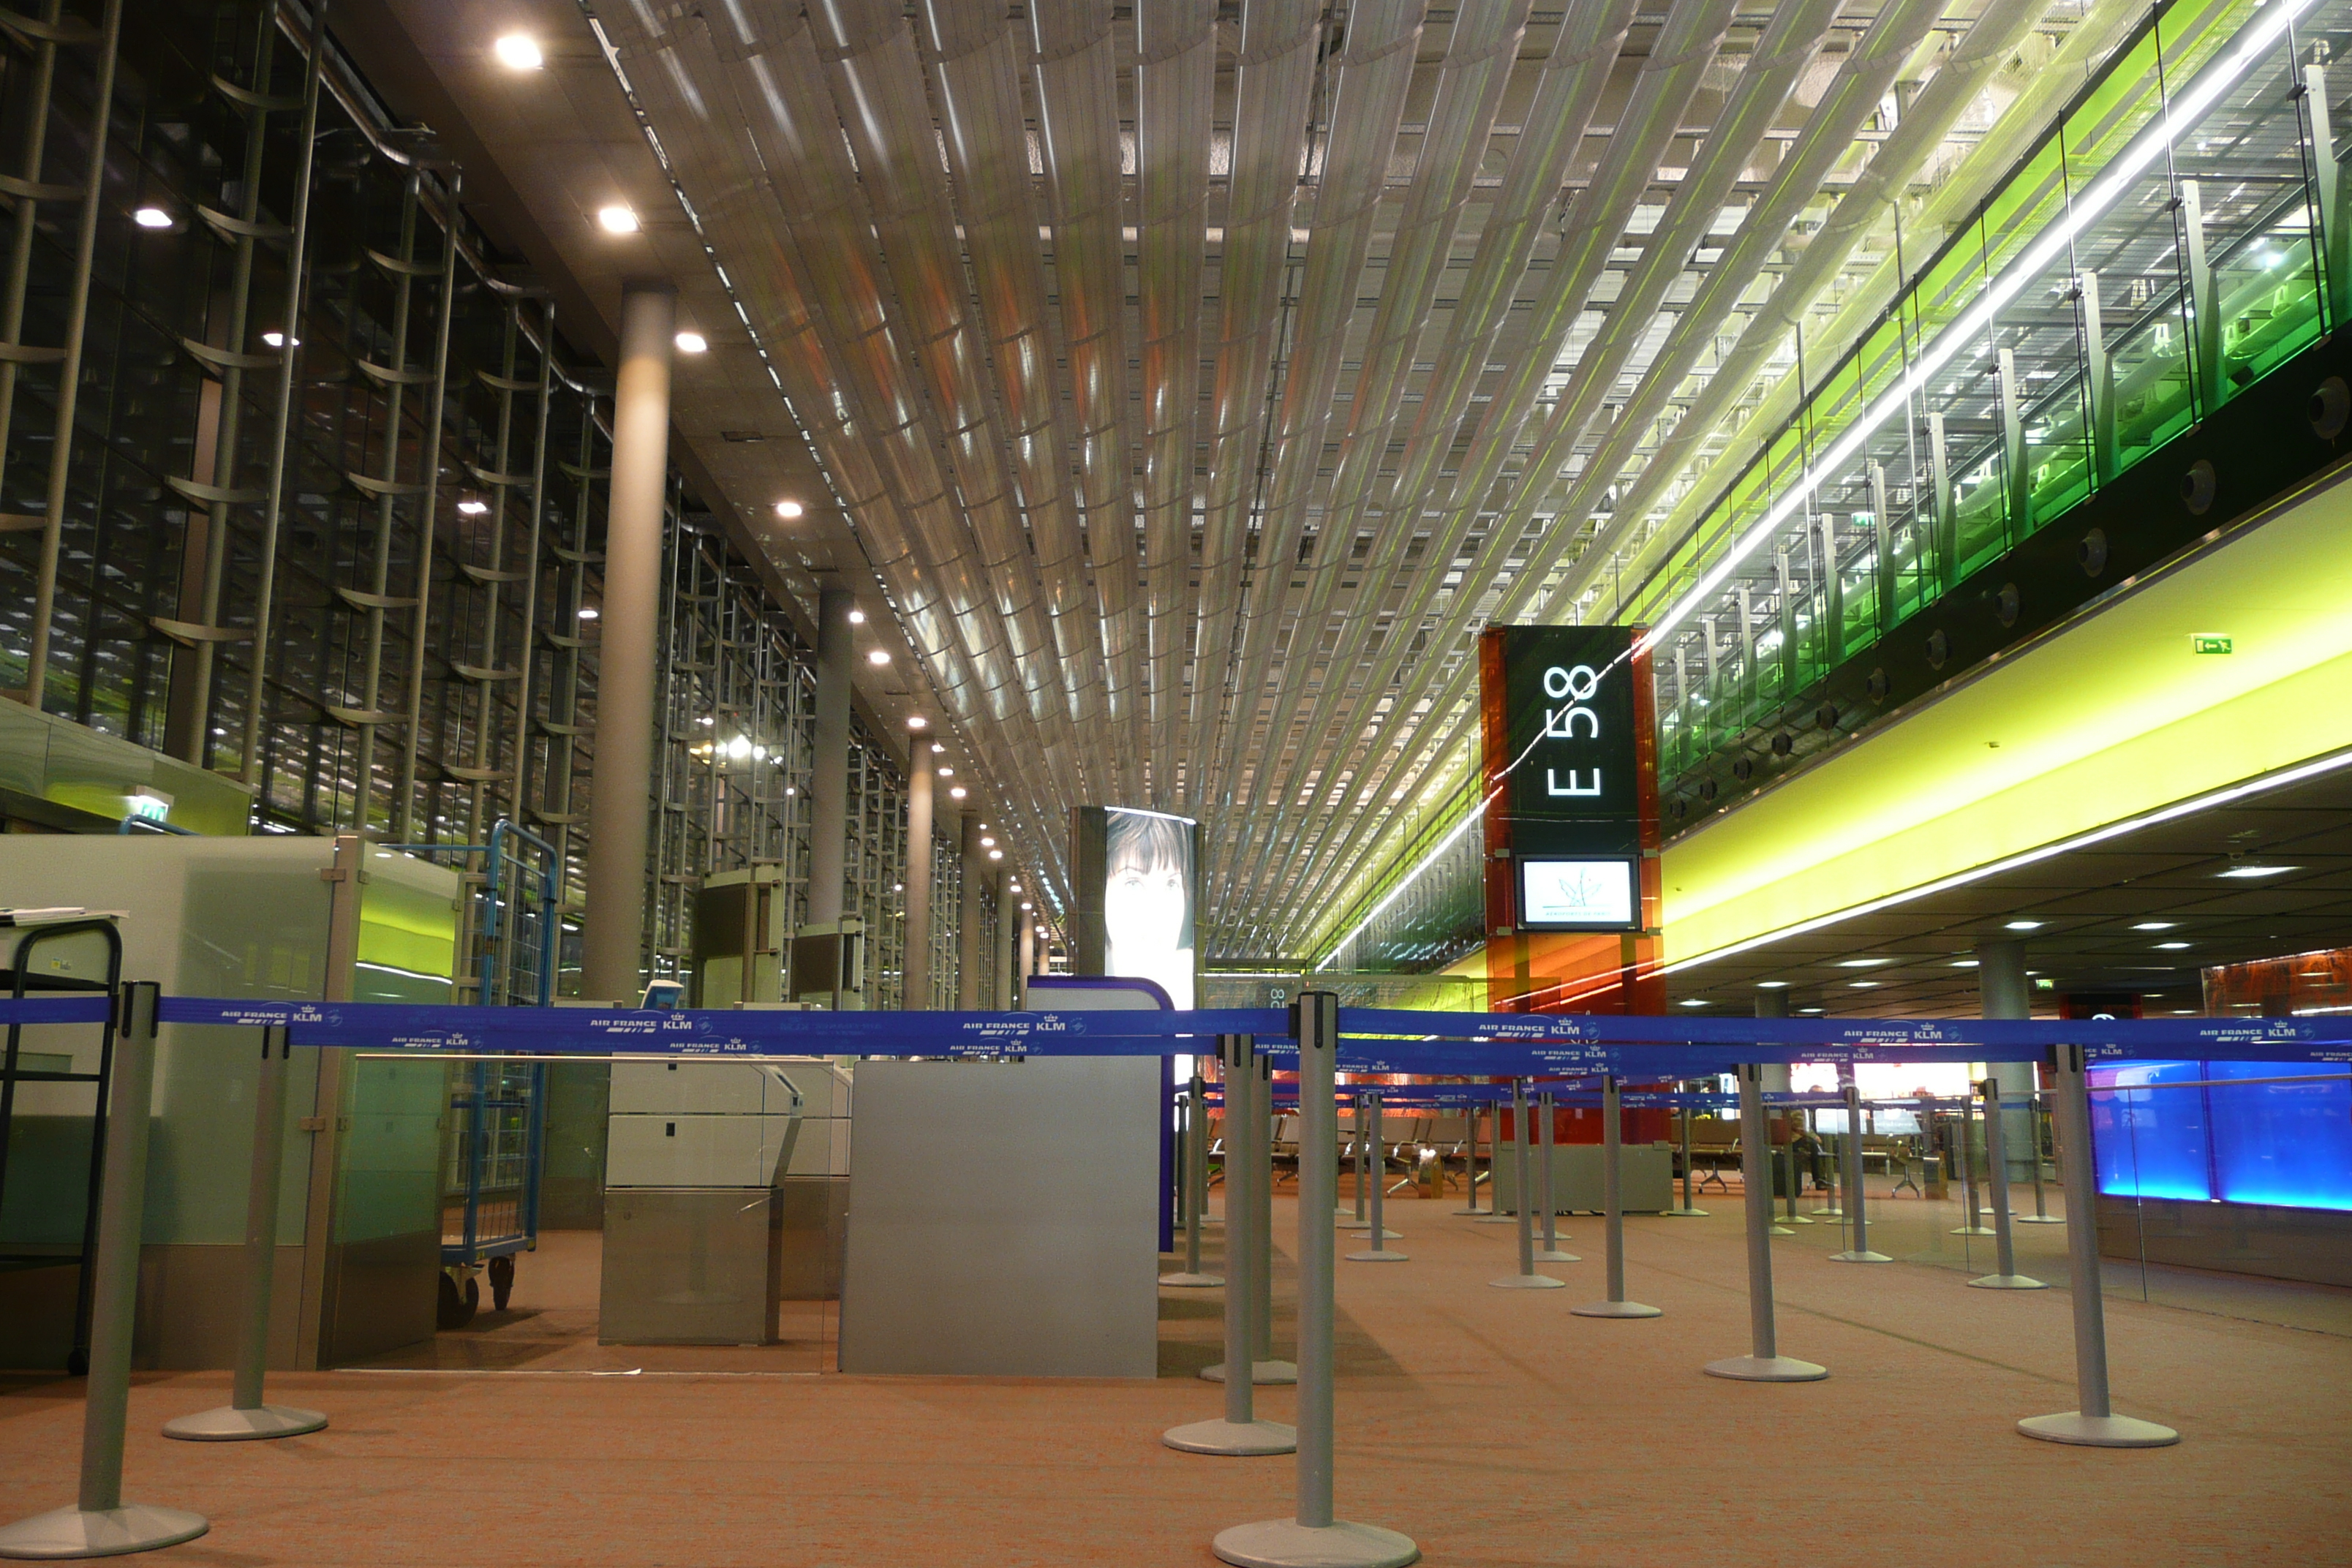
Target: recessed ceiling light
x=996 y=853
x=1694 y=1002
x=588 y=612
x=617 y=219
x=278 y=340
x=1771 y=985
x=879 y=656
x=789 y=510
x=945 y=773
x=691 y=342
x=1964 y=963
x=2170 y=946
x=2155 y=925
x=519 y=52
x=1862 y=962
x=916 y=722
x=2250 y=872
x=936 y=749
x=1809 y=1009
x=1863 y=984
x=957 y=792
x=856 y=617
x=2020 y=925
x=1027 y=904
x=988 y=844
x=152 y=217
x=472 y=507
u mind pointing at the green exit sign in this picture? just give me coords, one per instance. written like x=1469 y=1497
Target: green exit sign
x=2208 y=642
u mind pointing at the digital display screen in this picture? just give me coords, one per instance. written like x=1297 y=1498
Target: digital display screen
x=1147 y=859
x=1579 y=895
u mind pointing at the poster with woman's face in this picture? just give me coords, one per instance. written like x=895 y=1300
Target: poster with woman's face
x=1148 y=901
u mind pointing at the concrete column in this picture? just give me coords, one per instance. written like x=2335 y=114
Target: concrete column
x=2006 y=993
x=1028 y=943
x=1773 y=1077
x=1008 y=912
x=916 y=985
x=620 y=789
x=968 y=953
x=836 y=655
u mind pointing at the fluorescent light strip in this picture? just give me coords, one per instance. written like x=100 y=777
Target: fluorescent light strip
x=1163 y=815
x=2173 y=812
x=2102 y=193
x=1448 y=842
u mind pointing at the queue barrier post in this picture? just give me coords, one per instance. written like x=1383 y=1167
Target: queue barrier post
x=1764 y=1362
x=1379 y=1251
x=1523 y=1208
x=2004 y=1276
x=1313 y=1536
x=1967 y=1161
x=2095 y=1424
x=1360 y=1218
x=1263 y=1367
x=1795 y=1176
x=1613 y=1200
x=2040 y=1214
x=1852 y=1194
x=100 y=1523
x=1551 y=1251
x=247 y=1417
x=1470 y=1159
x=1684 y=1210
x=1494 y=1215
x=1239 y=1433
x=1196 y=1189
x=1371 y=1173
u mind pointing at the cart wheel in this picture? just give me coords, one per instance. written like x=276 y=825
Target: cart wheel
x=455 y=1311
x=501 y=1282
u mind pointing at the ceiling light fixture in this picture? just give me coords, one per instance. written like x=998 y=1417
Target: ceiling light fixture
x=472 y=507
x=152 y=217
x=944 y=773
x=691 y=342
x=988 y=844
x=2170 y=946
x=2020 y=925
x=278 y=340
x=2247 y=873
x=2155 y=925
x=856 y=617
x=789 y=510
x=996 y=853
x=1863 y=984
x=1694 y=1002
x=936 y=749
x=916 y=722
x=617 y=219
x=1863 y=962
x=878 y=657
x=1771 y=985
x=519 y=52
x=957 y=792
x=588 y=612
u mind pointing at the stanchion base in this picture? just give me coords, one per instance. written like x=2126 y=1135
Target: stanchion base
x=1554 y=1255
x=1970 y=1230
x=1286 y=1543
x=1828 y=1214
x=1261 y=1373
x=2038 y=1219
x=1192 y=1281
x=1527 y=1282
x=1616 y=1310
x=2010 y=1282
x=1493 y=1217
x=1240 y=1439
x=1470 y=1214
x=66 y=1532
x=1794 y=1219
x=1851 y=1257
x=230 y=1424
x=1766 y=1369
x=2098 y=1431
x=1684 y=1214
x=1380 y=1254
x=1780 y=1230
x=1366 y=1232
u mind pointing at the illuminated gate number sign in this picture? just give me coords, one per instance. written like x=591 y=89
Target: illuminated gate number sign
x=1571 y=802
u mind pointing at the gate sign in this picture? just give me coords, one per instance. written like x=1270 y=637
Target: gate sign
x=1563 y=738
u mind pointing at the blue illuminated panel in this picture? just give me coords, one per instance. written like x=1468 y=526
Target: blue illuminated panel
x=2283 y=1143
x=2150 y=1141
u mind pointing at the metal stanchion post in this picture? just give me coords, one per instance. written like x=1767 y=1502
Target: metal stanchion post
x=1523 y=1203
x=1764 y=1363
x=1494 y=1215
x=1796 y=1178
x=1612 y=1202
x=2095 y=1425
x=2004 y=1276
x=246 y=1417
x=1550 y=1252
x=1263 y=1368
x=1380 y=1237
x=1682 y=1118
x=1240 y=1432
x=1363 y=1155
x=2040 y=1214
x=100 y=1524
x=1196 y=1189
x=1371 y=1170
x=1855 y=1199
x=1312 y=1537
x=1834 y=1208
x=1968 y=1163
x=1470 y=1159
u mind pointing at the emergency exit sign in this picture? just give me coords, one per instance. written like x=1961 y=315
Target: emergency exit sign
x=2208 y=642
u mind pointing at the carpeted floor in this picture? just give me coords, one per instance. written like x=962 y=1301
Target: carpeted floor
x=1490 y=1424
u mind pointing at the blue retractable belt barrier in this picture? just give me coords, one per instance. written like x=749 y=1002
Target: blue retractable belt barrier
x=56 y=1009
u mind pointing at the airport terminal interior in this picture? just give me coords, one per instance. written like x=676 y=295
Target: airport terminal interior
x=764 y=764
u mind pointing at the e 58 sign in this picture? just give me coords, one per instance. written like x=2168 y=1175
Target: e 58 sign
x=1569 y=716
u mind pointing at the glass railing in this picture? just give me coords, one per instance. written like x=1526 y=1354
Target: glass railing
x=2178 y=234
